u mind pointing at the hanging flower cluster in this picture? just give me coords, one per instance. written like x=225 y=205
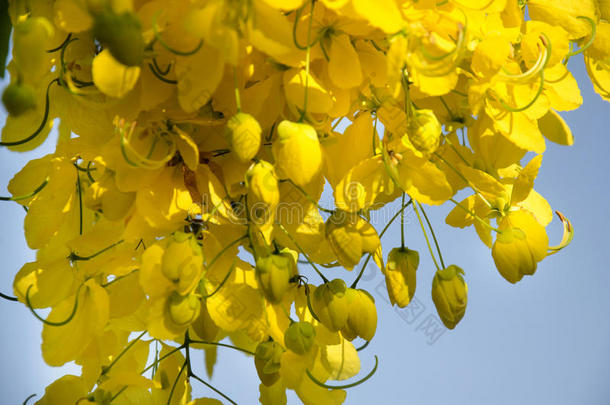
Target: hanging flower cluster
x=182 y=202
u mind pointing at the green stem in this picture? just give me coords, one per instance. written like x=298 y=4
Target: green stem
x=421 y=224
x=463 y=178
x=117 y=358
x=171 y=393
x=402 y=223
x=221 y=344
x=341 y=387
x=475 y=216
x=166 y=355
x=43 y=124
x=307 y=63
x=47 y=322
x=590 y=41
x=158 y=37
x=312 y=264
x=306 y=194
x=355 y=283
x=74 y=257
x=25 y=197
x=438 y=249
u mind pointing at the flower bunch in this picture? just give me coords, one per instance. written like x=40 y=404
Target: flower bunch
x=182 y=202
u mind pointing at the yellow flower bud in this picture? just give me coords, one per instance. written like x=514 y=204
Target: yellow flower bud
x=331 y=305
x=121 y=35
x=299 y=337
x=273 y=274
x=243 y=133
x=424 y=131
x=267 y=362
x=400 y=275
x=297 y=152
x=350 y=237
x=182 y=262
x=183 y=310
x=362 y=317
x=520 y=245
x=18 y=99
x=450 y=295
x=263 y=192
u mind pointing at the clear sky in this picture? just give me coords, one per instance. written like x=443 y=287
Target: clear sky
x=542 y=341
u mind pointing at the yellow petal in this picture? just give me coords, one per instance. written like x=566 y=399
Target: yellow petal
x=198 y=77
x=111 y=77
x=525 y=181
x=344 y=65
x=555 y=129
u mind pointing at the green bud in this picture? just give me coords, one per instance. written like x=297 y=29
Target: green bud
x=425 y=131
x=122 y=35
x=450 y=295
x=267 y=362
x=243 y=133
x=273 y=274
x=299 y=337
x=331 y=305
x=18 y=99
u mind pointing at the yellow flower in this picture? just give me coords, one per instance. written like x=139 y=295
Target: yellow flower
x=400 y=275
x=521 y=243
x=297 y=152
x=450 y=295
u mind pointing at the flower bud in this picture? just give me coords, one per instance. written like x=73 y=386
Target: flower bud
x=331 y=305
x=263 y=191
x=350 y=237
x=299 y=337
x=267 y=362
x=121 y=34
x=424 y=131
x=18 y=99
x=243 y=133
x=297 y=152
x=182 y=262
x=450 y=295
x=183 y=310
x=273 y=274
x=362 y=317
x=400 y=275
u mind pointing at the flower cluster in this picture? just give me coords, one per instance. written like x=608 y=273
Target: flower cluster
x=182 y=202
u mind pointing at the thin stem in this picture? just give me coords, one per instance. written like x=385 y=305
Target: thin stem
x=9 y=298
x=341 y=387
x=74 y=257
x=475 y=216
x=42 y=125
x=80 y=203
x=118 y=393
x=230 y=245
x=307 y=63
x=426 y=236
x=166 y=355
x=355 y=283
x=590 y=41
x=55 y=50
x=438 y=249
x=129 y=346
x=158 y=37
x=159 y=76
x=222 y=283
x=25 y=197
x=221 y=344
x=306 y=194
x=171 y=393
x=312 y=264
x=463 y=178
x=212 y=388
x=45 y=321
x=402 y=223
x=455 y=149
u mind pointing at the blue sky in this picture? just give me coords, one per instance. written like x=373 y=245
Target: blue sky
x=543 y=340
